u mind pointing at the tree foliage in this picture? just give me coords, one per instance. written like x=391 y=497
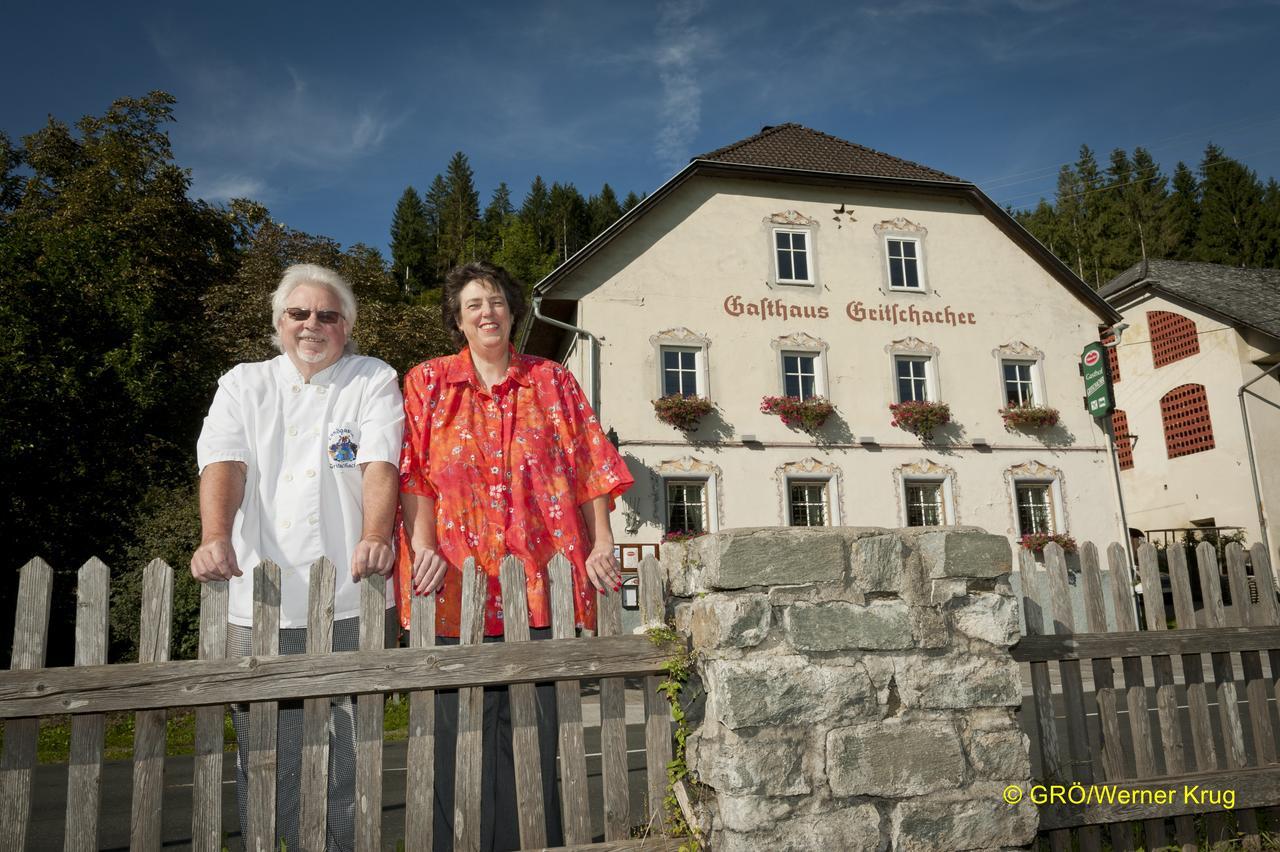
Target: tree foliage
x=1102 y=222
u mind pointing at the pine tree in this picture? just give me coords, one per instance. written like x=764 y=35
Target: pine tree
x=1182 y=216
x=410 y=242
x=459 y=214
x=537 y=212
x=1092 y=219
x=496 y=216
x=1147 y=198
x=434 y=202
x=1231 y=215
x=1070 y=219
x=569 y=220
x=602 y=211
x=631 y=201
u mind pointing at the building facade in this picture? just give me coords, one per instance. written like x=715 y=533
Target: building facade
x=1200 y=338
x=794 y=264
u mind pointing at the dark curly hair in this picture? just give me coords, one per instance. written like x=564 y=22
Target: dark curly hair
x=495 y=276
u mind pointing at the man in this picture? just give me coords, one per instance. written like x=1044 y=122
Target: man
x=299 y=458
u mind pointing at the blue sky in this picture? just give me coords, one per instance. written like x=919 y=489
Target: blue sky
x=325 y=112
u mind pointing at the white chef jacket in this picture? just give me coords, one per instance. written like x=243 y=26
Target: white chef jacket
x=303 y=444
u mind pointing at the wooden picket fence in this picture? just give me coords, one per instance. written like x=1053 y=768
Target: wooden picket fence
x=92 y=688
x=1200 y=731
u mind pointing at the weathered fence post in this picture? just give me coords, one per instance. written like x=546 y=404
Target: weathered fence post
x=420 y=784
x=18 y=762
x=524 y=711
x=313 y=805
x=466 y=784
x=84 y=771
x=206 y=781
x=149 y=725
x=657 y=710
x=260 y=834
x=373 y=610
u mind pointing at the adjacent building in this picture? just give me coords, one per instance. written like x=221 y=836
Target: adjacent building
x=795 y=264
x=1201 y=338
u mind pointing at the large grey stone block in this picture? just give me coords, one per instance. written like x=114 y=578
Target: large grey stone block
x=964 y=554
x=879 y=563
x=975 y=817
x=894 y=758
x=880 y=625
x=856 y=828
x=999 y=755
x=785 y=691
x=958 y=681
x=764 y=762
x=719 y=621
x=988 y=617
x=771 y=556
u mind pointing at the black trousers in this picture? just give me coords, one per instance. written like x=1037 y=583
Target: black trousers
x=499 y=827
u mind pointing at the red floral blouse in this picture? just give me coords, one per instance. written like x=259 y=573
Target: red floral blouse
x=508 y=470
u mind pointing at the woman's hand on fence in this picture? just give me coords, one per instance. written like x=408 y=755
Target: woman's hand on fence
x=215 y=560
x=603 y=569
x=429 y=568
x=373 y=555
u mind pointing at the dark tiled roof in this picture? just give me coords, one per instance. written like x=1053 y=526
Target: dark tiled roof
x=793 y=146
x=1248 y=296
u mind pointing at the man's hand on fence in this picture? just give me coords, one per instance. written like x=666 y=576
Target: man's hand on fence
x=215 y=560
x=373 y=556
x=429 y=568
x=602 y=567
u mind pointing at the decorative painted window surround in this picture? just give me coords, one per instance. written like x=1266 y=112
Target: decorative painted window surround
x=915 y=348
x=810 y=470
x=892 y=234
x=804 y=344
x=785 y=223
x=1017 y=351
x=682 y=339
x=1036 y=472
x=689 y=468
x=927 y=470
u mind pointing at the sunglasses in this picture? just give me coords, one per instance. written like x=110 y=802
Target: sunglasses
x=303 y=314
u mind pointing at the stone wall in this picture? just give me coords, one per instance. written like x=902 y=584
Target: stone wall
x=856 y=688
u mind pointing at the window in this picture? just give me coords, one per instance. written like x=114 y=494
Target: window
x=1124 y=441
x=791 y=249
x=1019 y=388
x=807 y=503
x=926 y=506
x=1173 y=337
x=687 y=506
x=799 y=374
x=1187 y=427
x=904 y=263
x=680 y=371
x=1035 y=507
x=912 y=377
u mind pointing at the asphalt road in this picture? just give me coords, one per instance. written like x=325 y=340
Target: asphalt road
x=49 y=798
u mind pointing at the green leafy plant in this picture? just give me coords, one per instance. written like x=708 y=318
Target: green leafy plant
x=678 y=667
x=805 y=414
x=682 y=412
x=920 y=417
x=1029 y=417
x=1035 y=542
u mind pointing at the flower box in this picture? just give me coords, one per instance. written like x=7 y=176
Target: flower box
x=682 y=412
x=920 y=417
x=1035 y=542
x=1029 y=417
x=806 y=414
x=677 y=536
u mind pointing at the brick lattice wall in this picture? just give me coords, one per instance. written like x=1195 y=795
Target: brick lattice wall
x=1187 y=427
x=1173 y=337
x=1124 y=444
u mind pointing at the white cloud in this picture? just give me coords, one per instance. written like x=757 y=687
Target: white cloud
x=225 y=187
x=680 y=44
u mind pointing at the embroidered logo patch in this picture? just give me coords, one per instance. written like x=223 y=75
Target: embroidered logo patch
x=342 y=450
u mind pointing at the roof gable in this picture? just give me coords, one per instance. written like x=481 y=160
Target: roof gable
x=793 y=146
x=1248 y=297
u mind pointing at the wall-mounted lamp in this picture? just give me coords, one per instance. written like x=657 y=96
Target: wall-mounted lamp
x=980 y=442
x=750 y=439
x=867 y=439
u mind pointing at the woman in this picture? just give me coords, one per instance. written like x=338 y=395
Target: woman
x=502 y=455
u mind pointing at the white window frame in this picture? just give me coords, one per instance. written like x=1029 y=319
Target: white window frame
x=1033 y=378
x=685 y=340
x=1054 y=495
x=829 y=505
x=930 y=375
x=889 y=260
x=775 y=252
x=819 y=369
x=709 y=499
x=945 y=496
x=699 y=367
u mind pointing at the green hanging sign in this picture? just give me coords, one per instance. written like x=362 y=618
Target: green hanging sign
x=1096 y=369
